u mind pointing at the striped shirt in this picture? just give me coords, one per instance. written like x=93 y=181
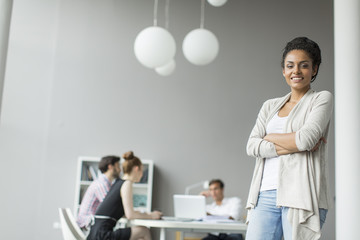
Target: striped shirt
x=94 y=195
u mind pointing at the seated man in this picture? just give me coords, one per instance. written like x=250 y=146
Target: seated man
x=229 y=208
x=96 y=192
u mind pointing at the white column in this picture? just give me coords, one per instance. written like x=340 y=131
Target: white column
x=5 y=16
x=347 y=117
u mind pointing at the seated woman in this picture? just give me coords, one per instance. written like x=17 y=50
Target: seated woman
x=118 y=203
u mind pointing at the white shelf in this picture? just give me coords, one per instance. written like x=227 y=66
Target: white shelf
x=140 y=185
x=87 y=183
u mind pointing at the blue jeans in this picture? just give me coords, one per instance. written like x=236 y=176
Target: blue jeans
x=268 y=222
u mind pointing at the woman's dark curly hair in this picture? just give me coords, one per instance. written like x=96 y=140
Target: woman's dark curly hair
x=307 y=45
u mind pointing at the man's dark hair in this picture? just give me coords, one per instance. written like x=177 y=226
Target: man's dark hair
x=307 y=45
x=221 y=184
x=105 y=161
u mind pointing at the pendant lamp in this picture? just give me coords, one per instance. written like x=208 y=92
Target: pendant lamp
x=200 y=46
x=169 y=67
x=154 y=46
x=217 y=3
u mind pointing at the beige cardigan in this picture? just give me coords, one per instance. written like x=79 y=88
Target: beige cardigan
x=303 y=176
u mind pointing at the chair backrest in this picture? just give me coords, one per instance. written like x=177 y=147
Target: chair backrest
x=69 y=227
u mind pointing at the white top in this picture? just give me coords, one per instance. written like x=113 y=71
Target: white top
x=229 y=207
x=271 y=168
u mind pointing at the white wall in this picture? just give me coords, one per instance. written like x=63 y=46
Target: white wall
x=347 y=109
x=5 y=19
x=73 y=87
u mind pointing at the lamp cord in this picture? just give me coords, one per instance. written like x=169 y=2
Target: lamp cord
x=155 y=12
x=202 y=20
x=167 y=3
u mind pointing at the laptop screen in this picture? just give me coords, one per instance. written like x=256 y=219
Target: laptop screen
x=189 y=206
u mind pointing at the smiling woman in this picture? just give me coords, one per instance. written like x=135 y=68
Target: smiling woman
x=289 y=191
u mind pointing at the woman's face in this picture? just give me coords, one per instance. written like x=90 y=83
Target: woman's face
x=298 y=70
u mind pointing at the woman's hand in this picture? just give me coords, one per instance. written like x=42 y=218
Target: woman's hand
x=155 y=215
x=322 y=139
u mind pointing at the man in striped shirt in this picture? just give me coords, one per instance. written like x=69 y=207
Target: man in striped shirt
x=96 y=192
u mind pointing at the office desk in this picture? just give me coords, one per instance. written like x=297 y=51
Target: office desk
x=194 y=226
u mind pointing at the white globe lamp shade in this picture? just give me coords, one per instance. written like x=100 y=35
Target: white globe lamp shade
x=167 y=69
x=217 y=3
x=200 y=46
x=154 y=47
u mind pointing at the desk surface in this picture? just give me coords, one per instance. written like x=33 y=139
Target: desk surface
x=193 y=226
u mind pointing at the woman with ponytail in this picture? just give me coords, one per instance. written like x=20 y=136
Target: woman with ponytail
x=119 y=203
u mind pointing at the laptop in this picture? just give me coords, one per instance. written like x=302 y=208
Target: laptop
x=188 y=208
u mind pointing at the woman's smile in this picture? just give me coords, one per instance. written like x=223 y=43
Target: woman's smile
x=296 y=79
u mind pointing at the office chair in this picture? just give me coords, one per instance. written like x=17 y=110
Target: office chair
x=69 y=227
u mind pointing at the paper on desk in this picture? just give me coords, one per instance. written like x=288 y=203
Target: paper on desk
x=214 y=218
